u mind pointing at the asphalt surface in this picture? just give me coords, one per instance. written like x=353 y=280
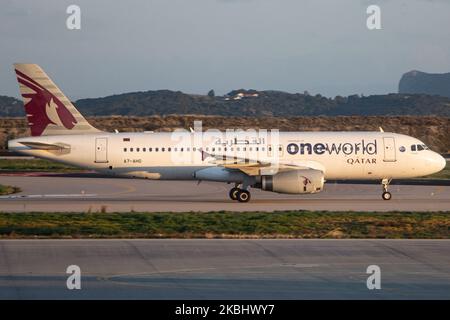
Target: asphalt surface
x=225 y=269
x=92 y=193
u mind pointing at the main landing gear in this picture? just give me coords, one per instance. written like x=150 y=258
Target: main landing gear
x=239 y=194
x=386 y=195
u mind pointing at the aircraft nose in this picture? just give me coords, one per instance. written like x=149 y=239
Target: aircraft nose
x=435 y=162
x=440 y=162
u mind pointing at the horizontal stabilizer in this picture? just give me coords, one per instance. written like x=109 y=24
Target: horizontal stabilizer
x=44 y=146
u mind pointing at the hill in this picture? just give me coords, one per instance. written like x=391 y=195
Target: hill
x=250 y=103
x=417 y=82
x=265 y=103
x=11 y=107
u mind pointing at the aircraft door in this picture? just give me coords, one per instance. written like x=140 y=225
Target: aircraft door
x=101 y=150
x=389 y=149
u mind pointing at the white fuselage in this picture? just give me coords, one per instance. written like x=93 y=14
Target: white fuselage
x=339 y=155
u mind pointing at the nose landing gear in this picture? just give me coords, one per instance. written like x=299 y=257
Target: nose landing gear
x=386 y=195
x=239 y=194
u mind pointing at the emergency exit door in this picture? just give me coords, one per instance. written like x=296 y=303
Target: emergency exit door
x=389 y=149
x=101 y=150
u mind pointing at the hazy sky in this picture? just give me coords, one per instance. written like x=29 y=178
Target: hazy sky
x=322 y=46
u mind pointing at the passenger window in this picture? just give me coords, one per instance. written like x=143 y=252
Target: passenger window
x=194 y=148
x=131 y=149
x=169 y=149
x=413 y=147
x=144 y=149
x=150 y=149
x=162 y=149
x=187 y=149
x=124 y=149
x=156 y=149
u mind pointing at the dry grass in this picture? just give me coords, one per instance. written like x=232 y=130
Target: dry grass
x=432 y=130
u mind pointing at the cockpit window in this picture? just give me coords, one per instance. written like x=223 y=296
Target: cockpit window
x=419 y=147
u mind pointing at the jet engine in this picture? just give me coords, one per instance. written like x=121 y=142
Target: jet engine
x=294 y=182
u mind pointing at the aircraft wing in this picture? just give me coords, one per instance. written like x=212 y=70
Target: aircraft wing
x=253 y=167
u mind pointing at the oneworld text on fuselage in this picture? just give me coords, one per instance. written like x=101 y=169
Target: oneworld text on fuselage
x=347 y=148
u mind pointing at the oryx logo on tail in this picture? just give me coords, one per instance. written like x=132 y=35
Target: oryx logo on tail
x=43 y=108
x=48 y=110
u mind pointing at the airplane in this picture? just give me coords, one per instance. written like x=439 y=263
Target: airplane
x=281 y=162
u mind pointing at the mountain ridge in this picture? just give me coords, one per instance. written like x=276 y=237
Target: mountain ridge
x=251 y=102
x=418 y=82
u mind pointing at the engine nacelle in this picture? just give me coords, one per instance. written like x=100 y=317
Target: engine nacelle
x=295 y=182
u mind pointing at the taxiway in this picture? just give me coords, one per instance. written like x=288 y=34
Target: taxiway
x=62 y=193
x=225 y=269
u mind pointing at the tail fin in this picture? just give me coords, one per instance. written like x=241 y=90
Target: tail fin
x=48 y=110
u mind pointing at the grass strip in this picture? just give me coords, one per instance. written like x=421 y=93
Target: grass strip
x=5 y=190
x=11 y=165
x=281 y=224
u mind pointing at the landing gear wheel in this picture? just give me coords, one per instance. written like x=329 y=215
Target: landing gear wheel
x=233 y=193
x=386 y=195
x=243 y=196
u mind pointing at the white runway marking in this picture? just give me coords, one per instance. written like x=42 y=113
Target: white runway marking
x=47 y=196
